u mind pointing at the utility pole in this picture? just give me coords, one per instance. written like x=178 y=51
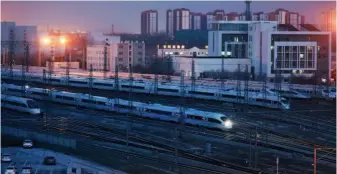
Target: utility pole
x=222 y=72
x=246 y=89
x=91 y=80
x=11 y=52
x=105 y=58
x=26 y=46
x=116 y=84
x=193 y=75
x=255 y=161
x=238 y=85
x=315 y=155
x=130 y=103
x=277 y=85
x=68 y=64
x=155 y=86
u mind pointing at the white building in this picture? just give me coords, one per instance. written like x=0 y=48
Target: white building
x=180 y=50
x=125 y=54
x=271 y=51
x=95 y=57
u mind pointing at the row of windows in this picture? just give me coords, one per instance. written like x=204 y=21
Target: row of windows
x=14 y=103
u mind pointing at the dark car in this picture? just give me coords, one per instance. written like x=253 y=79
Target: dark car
x=49 y=160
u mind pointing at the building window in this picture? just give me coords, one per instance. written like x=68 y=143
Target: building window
x=120 y=46
x=120 y=53
x=129 y=46
x=120 y=59
x=140 y=53
x=140 y=46
x=130 y=59
x=129 y=53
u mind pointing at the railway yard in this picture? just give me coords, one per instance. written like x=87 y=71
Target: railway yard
x=258 y=136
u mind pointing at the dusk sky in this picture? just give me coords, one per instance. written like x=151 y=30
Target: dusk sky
x=98 y=16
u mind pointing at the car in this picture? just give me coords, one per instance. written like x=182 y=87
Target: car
x=49 y=160
x=6 y=158
x=27 y=170
x=10 y=170
x=27 y=144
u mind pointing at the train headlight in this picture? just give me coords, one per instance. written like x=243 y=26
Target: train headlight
x=26 y=86
x=228 y=124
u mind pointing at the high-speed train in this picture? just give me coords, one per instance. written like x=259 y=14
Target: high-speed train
x=155 y=111
x=20 y=104
x=254 y=98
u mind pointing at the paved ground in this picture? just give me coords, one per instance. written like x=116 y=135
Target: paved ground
x=34 y=157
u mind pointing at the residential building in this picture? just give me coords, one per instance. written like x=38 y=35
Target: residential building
x=95 y=57
x=149 y=22
x=12 y=33
x=131 y=54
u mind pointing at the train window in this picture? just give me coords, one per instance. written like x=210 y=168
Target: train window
x=103 y=84
x=38 y=93
x=15 y=103
x=32 y=104
x=88 y=101
x=228 y=96
x=65 y=97
x=194 y=117
x=56 y=80
x=213 y=120
x=159 y=112
x=135 y=87
x=101 y=103
x=79 y=82
x=124 y=106
x=201 y=93
x=15 y=90
x=167 y=90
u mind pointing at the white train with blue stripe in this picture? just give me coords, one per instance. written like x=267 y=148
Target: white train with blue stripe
x=20 y=104
x=254 y=98
x=155 y=111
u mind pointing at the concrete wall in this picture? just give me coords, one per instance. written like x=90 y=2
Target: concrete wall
x=41 y=137
x=208 y=64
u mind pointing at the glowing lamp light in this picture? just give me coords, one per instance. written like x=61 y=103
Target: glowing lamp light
x=228 y=124
x=26 y=86
x=323 y=80
x=63 y=40
x=46 y=40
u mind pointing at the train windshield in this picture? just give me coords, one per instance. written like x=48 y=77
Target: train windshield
x=32 y=104
x=284 y=101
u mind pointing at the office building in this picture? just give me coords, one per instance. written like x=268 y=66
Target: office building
x=149 y=22
x=271 y=51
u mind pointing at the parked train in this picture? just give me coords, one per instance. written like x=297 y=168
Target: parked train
x=155 y=111
x=269 y=100
x=20 y=104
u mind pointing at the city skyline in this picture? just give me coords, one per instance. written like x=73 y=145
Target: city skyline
x=97 y=20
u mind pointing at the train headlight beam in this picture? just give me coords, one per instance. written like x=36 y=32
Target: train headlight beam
x=228 y=124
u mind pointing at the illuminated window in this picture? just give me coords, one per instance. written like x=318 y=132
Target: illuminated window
x=178 y=46
x=173 y=46
x=164 y=46
x=222 y=53
x=301 y=56
x=206 y=46
x=183 y=46
x=168 y=46
x=229 y=53
x=271 y=47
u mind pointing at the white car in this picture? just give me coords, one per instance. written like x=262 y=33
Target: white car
x=27 y=170
x=27 y=144
x=10 y=170
x=6 y=158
